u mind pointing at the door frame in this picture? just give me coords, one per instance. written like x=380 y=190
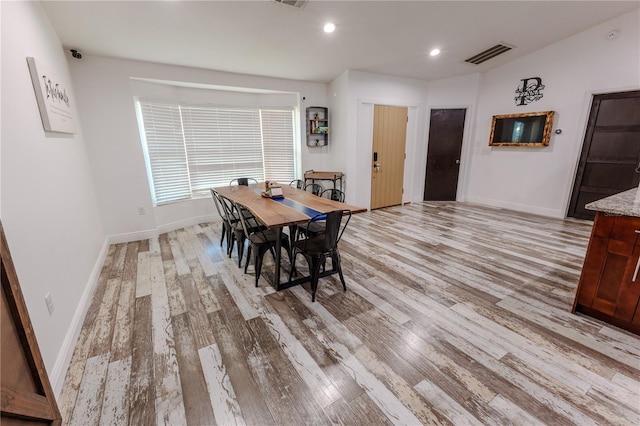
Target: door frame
x=586 y=119
x=361 y=177
x=466 y=153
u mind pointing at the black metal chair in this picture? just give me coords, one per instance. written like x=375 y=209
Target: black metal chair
x=316 y=249
x=243 y=181
x=235 y=231
x=261 y=240
x=316 y=228
x=297 y=183
x=226 y=226
x=333 y=194
x=314 y=188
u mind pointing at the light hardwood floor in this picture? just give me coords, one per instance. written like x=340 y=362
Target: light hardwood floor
x=454 y=314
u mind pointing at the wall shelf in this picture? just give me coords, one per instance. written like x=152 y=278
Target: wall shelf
x=317 y=126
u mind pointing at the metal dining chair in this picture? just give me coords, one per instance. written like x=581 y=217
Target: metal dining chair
x=314 y=188
x=318 y=248
x=261 y=240
x=333 y=194
x=297 y=183
x=226 y=226
x=243 y=181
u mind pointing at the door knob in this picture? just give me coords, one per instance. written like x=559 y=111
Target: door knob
x=457 y=161
x=377 y=166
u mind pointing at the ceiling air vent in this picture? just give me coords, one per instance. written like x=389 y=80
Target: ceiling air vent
x=294 y=3
x=492 y=52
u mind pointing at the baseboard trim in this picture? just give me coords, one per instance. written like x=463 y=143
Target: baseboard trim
x=61 y=366
x=152 y=233
x=63 y=360
x=557 y=214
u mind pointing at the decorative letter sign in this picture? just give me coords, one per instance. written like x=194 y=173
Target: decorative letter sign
x=529 y=91
x=53 y=100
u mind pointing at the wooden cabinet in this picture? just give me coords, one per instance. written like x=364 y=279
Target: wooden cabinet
x=317 y=126
x=609 y=287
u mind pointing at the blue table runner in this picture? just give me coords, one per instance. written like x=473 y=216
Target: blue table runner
x=298 y=206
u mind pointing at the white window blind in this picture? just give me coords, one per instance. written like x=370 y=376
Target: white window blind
x=191 y=149
x=166 y=156
x=222 y=144
x=277 y=139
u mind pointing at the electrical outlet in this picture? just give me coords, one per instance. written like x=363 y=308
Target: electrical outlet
x=141 y=211
x=49 y=301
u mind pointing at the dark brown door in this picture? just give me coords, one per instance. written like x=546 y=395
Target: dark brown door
x=26 y=396
x=610 y=153
x=446 y=129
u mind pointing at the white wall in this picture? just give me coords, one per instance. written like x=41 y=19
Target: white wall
x=338 y=99
x=364 y=91
x=105 y=97
x=540 y=180
x=49 y=209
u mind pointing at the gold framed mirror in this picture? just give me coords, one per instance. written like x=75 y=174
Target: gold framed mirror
x=528 y=129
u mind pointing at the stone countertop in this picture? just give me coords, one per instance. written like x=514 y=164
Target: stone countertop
x=626 y=203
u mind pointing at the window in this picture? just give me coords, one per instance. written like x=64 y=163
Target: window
x=190 y=149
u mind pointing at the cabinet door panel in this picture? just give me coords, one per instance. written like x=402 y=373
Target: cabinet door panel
x=592 y=269
x=636 y=320
x=613 y=274
x=624 y=229
x=603 y=225
x=629 y=292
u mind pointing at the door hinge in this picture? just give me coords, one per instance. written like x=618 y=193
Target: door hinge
x=403 y=193
x=405 y=155
x=407 y=118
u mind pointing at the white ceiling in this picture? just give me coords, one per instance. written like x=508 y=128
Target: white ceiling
x=271 y=39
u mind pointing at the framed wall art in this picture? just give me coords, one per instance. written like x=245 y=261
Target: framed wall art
x=529 y=129
x=53 y=98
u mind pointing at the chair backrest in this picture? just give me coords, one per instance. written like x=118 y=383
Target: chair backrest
x=243 y=220
x=297 y=183
x=227 y=208
x=333 y=194
x=314 y=188
x=335 y=223
x=248 y=221
x=243 y=181
x=217 y=202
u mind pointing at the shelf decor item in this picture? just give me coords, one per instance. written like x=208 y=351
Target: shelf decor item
x=317 y=126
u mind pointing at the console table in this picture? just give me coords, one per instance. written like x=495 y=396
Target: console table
x=313 y=176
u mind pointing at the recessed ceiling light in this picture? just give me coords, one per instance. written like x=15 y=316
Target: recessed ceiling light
x=434 y=52
x=329 y=27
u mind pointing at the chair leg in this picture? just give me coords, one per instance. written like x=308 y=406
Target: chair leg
x=230 y=245
x=293 y=264
x=246 y=264
x=223 y=231
x=315 y=273
x=257 y=260
x=335 y=259
x=240 y=251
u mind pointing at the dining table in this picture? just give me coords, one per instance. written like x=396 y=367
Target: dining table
x=295 y=207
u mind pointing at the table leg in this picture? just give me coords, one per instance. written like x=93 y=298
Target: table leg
x=278 y=249
x=293 y=229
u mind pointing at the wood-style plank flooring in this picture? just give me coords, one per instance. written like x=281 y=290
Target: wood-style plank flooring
x=454 y=314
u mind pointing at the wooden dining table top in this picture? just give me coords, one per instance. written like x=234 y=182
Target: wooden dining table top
x=275 y=214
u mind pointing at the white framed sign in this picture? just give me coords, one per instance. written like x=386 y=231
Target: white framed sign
x=53 y=99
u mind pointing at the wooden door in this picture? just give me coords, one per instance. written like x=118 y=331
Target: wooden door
x=610 y=153
x=389 y=138
x=26 y=396
x=446 y=130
